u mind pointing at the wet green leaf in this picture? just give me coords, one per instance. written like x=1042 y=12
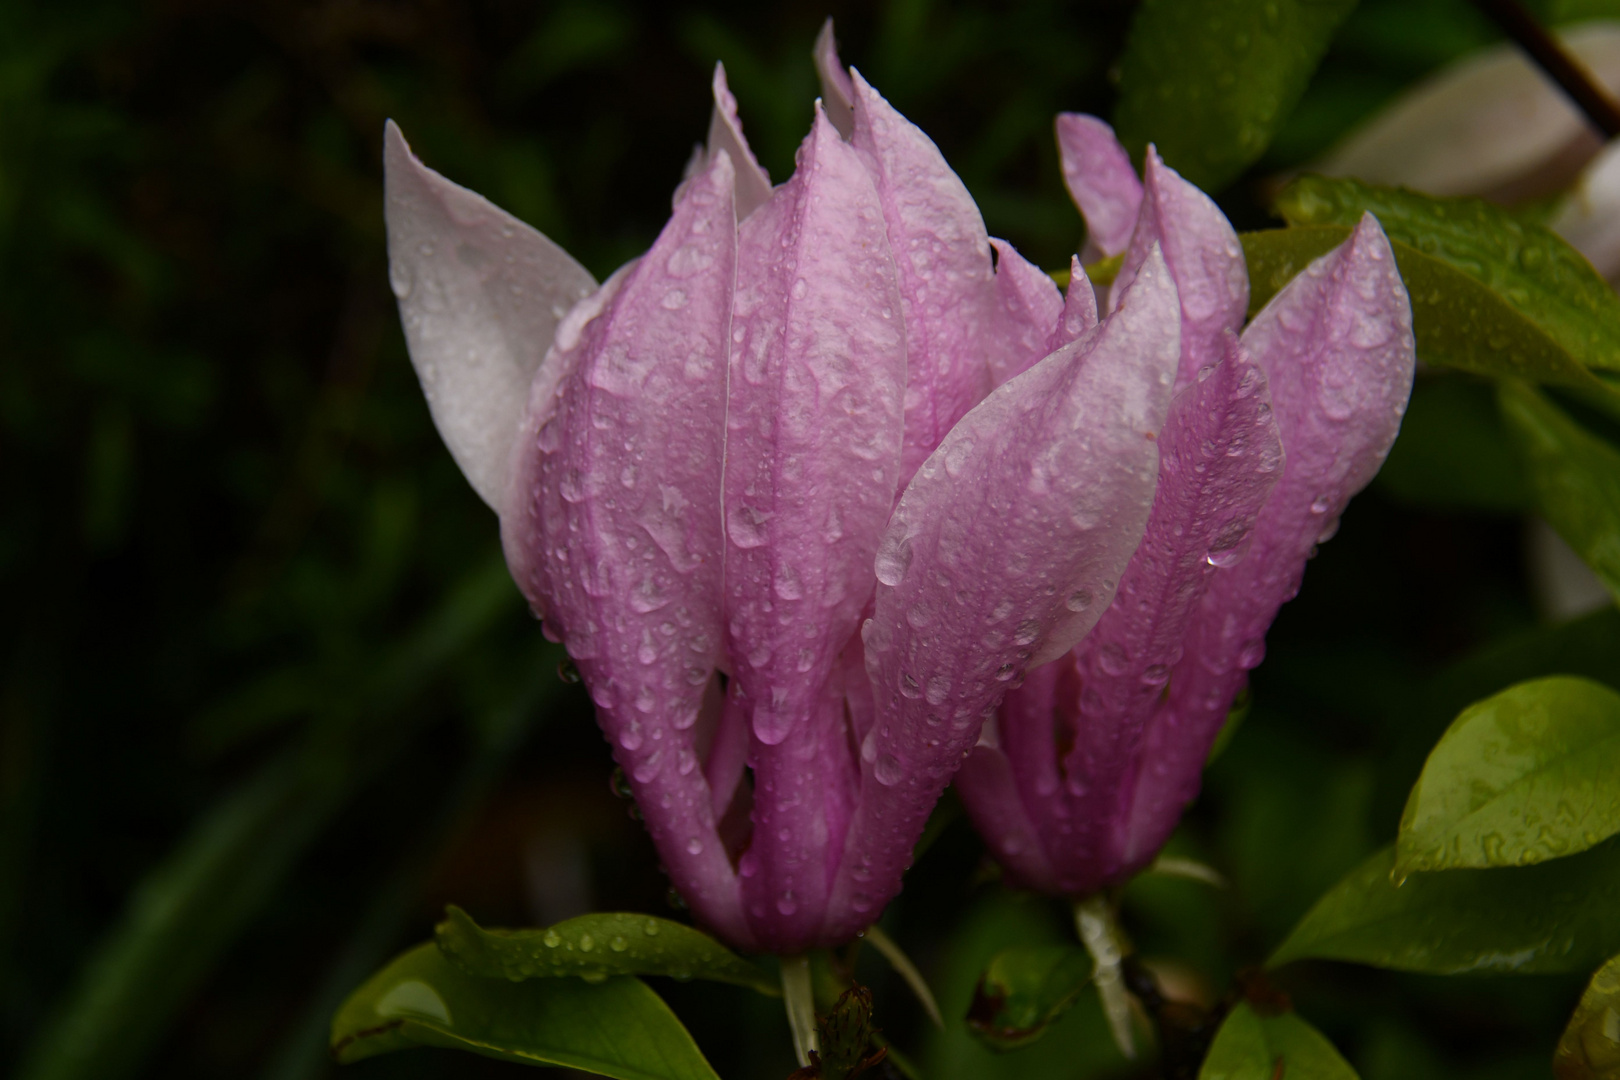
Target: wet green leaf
x=1576 y=477
x=617 y=1027
x=1590 y=1046
x=1024 y=989
x=1530 y=774
x=1211 y=81
x=1457 y=321
x=1254 y=1047
x=594 y=947
x=1530 y=267
x=1555 y=916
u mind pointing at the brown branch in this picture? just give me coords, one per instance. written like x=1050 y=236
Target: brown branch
x=1593 y=98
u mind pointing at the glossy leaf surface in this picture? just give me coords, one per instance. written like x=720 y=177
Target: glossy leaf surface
x=1576 y=477
x=595 y=946
x=617 y=1027
x=1458 y=321
x=1556 y=916
x=1254 y=1047
x=1024 y=989
x=1530 y=774
x=1590 y=1046
x=1529 y=266
x=1211 y=81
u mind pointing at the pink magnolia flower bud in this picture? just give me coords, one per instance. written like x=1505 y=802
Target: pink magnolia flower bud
x=804 y=489
x=1088 y=766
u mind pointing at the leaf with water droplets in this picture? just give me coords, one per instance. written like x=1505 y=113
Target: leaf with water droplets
x=1211 y=81
x=1457 y=321
x=1590 y=1046
x=1253 y=1047
x=1530 y=267
x=617 y=1027
x=1024 y=989
x=1575 y=476
x=1524 y=920
x=594 y=947
x=1529 y=774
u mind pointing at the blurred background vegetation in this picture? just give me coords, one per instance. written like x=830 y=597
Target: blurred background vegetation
x=268 y=698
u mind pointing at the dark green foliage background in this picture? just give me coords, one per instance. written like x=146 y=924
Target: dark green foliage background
x=229 y=530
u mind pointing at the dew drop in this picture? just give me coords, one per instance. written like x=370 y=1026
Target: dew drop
x=887 y=770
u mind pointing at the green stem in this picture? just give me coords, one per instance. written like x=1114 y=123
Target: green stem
x=1103 y=938
x=903 y=967
x=799 y=998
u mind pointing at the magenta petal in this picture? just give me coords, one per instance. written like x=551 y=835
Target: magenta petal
x=1204 y=257
x=998 y=780
x=1100 y=179
x=1336 y=345
x=1221 y=457
x=613 y=528
x=725 y=133
x=813 y=428
x=1003 y=552
x=837 y=91
x=1031 y=308
x=1079 y=307
x=480 y=294
x=942 y=252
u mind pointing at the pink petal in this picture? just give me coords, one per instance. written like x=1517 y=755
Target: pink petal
x=1204 y=257
x=1100 y=179
x=1003 y=553
x=1336 y=346
x=613 y=527
x=952 y=315
x=994 y=785
x=837 y=92
x=812 y=455
x=1031 y=309
x=1079 y=307
x=480 y=294
x=725 y=133
x=1220 y=458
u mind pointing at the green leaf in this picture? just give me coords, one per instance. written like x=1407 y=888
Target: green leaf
x=1530 y=774
x=1529 y=266
x=1211 y=81
x=1590 y=1046
x=617 y=1027
x=1555 y=916
x=1576 y=477
x=1458 y=322
x=1254 y=1047
x=1024 y=989
x=595 y=947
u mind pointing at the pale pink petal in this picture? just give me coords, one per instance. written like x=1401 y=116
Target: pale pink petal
x=1031 y=309
x=1079 y=307
x=1480 y=124
x=1002 y=553
x=1100 y=178
x=812 y=456
x=725 y=133
x=1589 y=217
x=1336 y=345
x=612 y=524
x=952 y=315
x=837 y=92
x=480 y=295
x=1204 y=256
